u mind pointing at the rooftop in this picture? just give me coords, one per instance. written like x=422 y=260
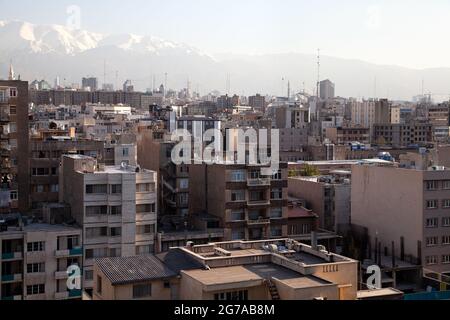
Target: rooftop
x=126 y=270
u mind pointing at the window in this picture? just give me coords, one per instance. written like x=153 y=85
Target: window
x=431 y=185
x=40 y=188
x=142 y=291
x=115 y=232
x=144 y=187
x=35 y=246
x=238 y=215
x=12 y=110
x=238 y=176
x=184 y=183
x=432 y=223
x=13 y=92
x=432 y=204
x=446 y=259
x=99 y=285
x=35 y=268
x=36 y=289
x=432 y=241
x=96 y=210
x=276 y=213
x=116 y=210
x=145 y=208
x=88 y=275
x=54 y=188
x=276 y=194
x=446 y=204
x=115 y=252
x=446 y=222
x=446 y=184
x=97 y=189
x=232 y=296
x=445 y=240
x=166 y=285
x=96 y=253
x=238 y=234
x=145 y=229
x=116 y=189
x=144 y=250
x=14 y=195
x=125 y=152
x=96 y=232
x=277 y=176
x=276 y=231
x=237 y=195
x=40 y=171
x=430 y=260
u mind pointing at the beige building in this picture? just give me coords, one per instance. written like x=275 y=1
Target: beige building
x=35 y=259
x=239 y=270
x=407 y=207
x=116 y=207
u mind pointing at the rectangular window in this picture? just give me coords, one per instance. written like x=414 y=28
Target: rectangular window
x=276 y=231
x=238 y=195
x=446 y=259
x=115 y=232
x=96 y=210
x=432 y=223
x=184 y=183
x=145 y=229
x=446 y=222
x=430 y=260
x=238 y=215
x=276 y=213
x=35 y=268
x=432 y=204
x=40 y=172
x=446 y=184
x=88 y=275
x=116 y=210
x=432 y=241
x=431 y=185
x=99 y=285
x=142 y=291
x=96 y=189
x=116 y=189
x=14 y=195
x=144 y=250
x=445 y=240
x=446 y=204
x=96 y=232
x=276 y=194
x=232 y=296
x=145 y=208
x=96 y=253
x=35 y=246
x=115 y=252
x=277 y=176
x=36 y=289
x=238 y=176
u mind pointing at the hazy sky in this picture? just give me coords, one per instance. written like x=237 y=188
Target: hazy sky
x=412 y=33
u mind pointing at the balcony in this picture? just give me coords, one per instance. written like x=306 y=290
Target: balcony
x=259 y=182
x=61 y=275
x=258 y=203
x=12 y=277
x=62 y=295
x=12 y=256
x=75 y=252
x=258 y=222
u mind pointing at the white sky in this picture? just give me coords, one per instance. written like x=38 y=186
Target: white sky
x=411 y=33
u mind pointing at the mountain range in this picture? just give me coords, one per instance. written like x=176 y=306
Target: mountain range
x=47 y=51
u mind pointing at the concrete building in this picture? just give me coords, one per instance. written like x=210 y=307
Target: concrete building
x=439 y=117
x=327 y=90
x=35 y=259
x=404 y=209
x=91 y=84
x=347 y=135
x=257 y=102
x=115 y=206
x=249 y=205
x=403 y=135
x=14 y=154
x=327 y=196
x=259 y=270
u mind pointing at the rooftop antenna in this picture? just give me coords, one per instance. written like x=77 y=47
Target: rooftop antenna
x=318 y=74
x=289 y=89
x=228 y=88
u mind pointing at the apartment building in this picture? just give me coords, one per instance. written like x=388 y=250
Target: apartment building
x=257 y=102
x=14 y=184
x=45 y=158
x=255 y=270
x=35 y=259
x=405 y=209
x=345 y=135
x=439 y=117
x=249 y=205
x=115 y=206
x=327 y=196
x=403 y=135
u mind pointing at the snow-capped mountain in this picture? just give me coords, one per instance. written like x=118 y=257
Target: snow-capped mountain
x=63 y=40
x=48 y=51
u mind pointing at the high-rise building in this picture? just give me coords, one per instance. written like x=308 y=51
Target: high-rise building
x=115 y=206
x=258 y=102
x=14 y=174
x=327 y=90
x=90 y=84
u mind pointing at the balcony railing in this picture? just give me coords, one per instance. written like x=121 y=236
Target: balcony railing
x=11 y=277
x=261 y=221
x=75 y=294
x=262 y=202
x=69 y=253
x=12 y=256
x=258 y=182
